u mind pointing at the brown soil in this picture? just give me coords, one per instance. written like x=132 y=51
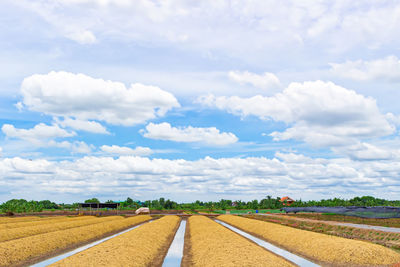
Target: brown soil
x=70 y=248
x=187 y=257
x=273 y=243
x=321 y=263
x=88 y=212
x=391 y=240
x=158 y=261
x=260 y=237
x=390 y=222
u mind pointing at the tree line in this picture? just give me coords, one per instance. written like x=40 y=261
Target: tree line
x=364 y=201
x=269 y=202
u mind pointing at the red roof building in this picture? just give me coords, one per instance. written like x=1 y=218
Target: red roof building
x=286 y=201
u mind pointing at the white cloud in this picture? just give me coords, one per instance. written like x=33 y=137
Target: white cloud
x=82 y=36
x=384 y=69
x=66 y=94
x=123 y=150
x=320 y=113
x=251 y=30
x=42 y=135
x=76 y=147
x=394 y=119
x=264 y=81
x=82 y=125
x=209 y=136
x=293 y=174
x=40 y=131
x=366 y=151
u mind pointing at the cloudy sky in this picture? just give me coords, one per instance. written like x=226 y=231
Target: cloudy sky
x=199 y=99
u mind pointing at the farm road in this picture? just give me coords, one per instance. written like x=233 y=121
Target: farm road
x=354 y=225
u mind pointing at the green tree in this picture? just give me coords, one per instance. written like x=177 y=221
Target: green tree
x=92 y=200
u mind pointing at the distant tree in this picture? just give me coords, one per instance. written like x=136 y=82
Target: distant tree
x=209 y=206
x=21 y=205
x=92 y=200
x=162 y=202
x=47 y=204
x=129 y=201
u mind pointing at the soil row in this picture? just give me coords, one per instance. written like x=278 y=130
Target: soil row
x=207 y=243
x=31 y=249
x=146 y=245
x=326 y=249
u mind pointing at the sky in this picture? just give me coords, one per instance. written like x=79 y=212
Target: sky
x=199 y=100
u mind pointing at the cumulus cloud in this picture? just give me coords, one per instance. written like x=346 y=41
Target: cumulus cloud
x=209 y=136
x=394 y=119
x=82 y=125
x=264 y=81
x=42 y=135
x=76 y=147
x=383 y=69
x=287 y=173
x=123 y=150
x=319 y=113
x=366 y=151
x=38 y=132
x=64 y=94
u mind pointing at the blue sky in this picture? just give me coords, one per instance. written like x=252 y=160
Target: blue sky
x=199 y=99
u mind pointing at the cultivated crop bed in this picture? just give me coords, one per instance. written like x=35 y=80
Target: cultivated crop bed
x=28 y=240
x=14 y=233
x=318 y=247
x=387 y=239
x=31 y=248
x=214 y=245
x=392 y=222
x=24 y=219
x=146 y=245
x=8 y=224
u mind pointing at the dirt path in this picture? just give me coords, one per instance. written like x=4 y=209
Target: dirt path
x=354 y=225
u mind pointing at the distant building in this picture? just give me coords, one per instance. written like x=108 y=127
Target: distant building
x=286 y=201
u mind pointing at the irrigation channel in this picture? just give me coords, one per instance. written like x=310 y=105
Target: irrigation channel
x=281 y=252
x=175 y=252
x=72 y=252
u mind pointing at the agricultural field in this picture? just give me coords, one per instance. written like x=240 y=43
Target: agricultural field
x=387 y=239
x=19 y=232
x=145 y=240
x=28 y=249
x=390 y=222
x=25 y=222
x=245 y=211
x=210 y=244
x=144 y=246
x=316 y=246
